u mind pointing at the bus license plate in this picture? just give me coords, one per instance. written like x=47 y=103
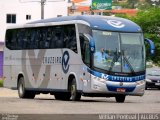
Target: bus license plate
x=121 y=89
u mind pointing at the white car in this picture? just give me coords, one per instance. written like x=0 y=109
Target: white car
x=153 y=78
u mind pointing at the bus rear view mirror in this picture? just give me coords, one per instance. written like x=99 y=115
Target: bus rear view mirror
x=151 y=45
x=91 y=42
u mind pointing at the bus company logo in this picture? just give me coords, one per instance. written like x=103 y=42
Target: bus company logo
x=121 y=83
x=65 y=60
x=115 y=23
x=104 y=76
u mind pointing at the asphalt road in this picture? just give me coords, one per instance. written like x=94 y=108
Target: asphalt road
x=46 y=104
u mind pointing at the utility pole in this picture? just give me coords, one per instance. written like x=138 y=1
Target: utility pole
x=42 y=8
x=42 y=2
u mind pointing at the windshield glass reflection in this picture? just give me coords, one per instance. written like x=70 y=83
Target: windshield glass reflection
x=119 y=52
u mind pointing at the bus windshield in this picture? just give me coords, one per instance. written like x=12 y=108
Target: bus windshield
x=119 y=52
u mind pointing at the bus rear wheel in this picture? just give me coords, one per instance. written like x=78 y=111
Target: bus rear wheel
x=22 y=92
x=120 y=98
x=75 y=95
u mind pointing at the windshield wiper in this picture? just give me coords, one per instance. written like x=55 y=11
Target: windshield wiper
x=127 y=61
x=115 y=59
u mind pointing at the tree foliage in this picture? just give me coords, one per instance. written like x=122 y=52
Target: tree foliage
x=137 y=4
x=149 y=21
x=132 y=3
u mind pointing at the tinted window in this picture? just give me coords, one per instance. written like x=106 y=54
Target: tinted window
x=84 y=29
x=70 y=37
x=42 y=38
x=85 y=51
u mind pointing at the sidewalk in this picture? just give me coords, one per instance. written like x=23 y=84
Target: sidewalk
x=5 y=92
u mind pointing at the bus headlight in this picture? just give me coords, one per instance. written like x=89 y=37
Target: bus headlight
x=99 y=79
x=140 y=82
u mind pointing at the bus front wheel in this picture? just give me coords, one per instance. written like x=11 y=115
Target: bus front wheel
x=22 y=92
x=120 y=98
x=75 y=95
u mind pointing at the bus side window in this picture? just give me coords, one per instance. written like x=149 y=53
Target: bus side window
x=85 y=51
x=14 y=39
x=10 y=39
x=19 y=41
x=32 y=39
x=41 y=38
x=21 y=38
x=70 y=37
x=36 y=38
x=48 y=38
x=57 y=40
x=52 y=40
x=26 y=38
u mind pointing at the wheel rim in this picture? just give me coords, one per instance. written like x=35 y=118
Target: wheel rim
x=73 y=89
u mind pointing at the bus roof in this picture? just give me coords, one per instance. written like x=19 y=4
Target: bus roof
x=98 y=22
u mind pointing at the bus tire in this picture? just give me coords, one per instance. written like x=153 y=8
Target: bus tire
x=120 y=98
x=75 y=96
x=22 y=92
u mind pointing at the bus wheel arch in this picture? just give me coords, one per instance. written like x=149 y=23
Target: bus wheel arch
x=72 y=88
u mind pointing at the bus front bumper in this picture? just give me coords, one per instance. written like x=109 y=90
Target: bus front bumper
x=110 y=88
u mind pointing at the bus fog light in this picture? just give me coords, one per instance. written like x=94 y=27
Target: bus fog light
x=140 y=82
x=94 y=77
x=96 y=86
x=100 y=79
x=141 y=90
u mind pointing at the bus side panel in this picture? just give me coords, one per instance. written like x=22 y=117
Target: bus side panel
x=52 y=71
x=10 y=80
x=86 y=78
x=75 y=69
x=56 y=78
x=9 y=73
x=42 y=69
x=72 y=66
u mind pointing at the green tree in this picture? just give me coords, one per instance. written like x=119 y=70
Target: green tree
x=148 y=20
x=144 y=5
x=122 y=4
x=132 y=3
